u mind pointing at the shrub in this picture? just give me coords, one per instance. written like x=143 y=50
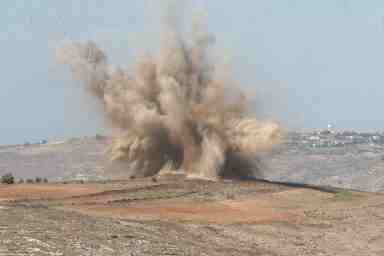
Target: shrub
x=7 y=179
x=21 y=181
x=230 y=196
x=30 y=181
x=45 y=180
x=38 y=179
x=99 y=137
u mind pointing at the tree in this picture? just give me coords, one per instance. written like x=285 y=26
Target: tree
x=7 y=179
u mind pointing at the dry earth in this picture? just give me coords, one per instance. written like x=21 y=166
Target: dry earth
x=174 y=216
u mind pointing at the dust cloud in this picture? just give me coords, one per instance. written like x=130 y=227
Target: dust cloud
x=177 y=109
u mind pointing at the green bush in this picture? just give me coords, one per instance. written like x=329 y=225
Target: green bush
x=99 y=137
x=38 y=180
x=7 y=179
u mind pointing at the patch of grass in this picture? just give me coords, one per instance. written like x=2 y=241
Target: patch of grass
x=345 y=195
x=55 y=204
x=157 y=194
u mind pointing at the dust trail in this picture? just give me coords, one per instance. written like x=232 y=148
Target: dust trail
x=177 y=108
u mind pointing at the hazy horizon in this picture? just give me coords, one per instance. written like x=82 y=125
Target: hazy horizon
x=309 y=63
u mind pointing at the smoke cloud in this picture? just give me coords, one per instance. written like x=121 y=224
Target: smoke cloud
x=178 y=109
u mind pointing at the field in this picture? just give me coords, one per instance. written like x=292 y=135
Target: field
x=174 y=216
x=92 y=207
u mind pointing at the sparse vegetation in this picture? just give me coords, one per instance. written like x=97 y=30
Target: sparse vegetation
x=99 y=137
x=7 y=178
x=230 y=196
x=35 y=180
x=345 y=195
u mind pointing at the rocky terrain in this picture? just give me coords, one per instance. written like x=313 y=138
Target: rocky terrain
x=174 y=216
x=345 y=159
x=78 y=158
x=348 y=160
x=85 y=209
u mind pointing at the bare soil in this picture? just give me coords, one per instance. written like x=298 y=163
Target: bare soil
x=174 y=216
x=48 y=191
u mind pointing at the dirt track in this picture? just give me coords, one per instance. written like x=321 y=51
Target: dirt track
x=178 y=217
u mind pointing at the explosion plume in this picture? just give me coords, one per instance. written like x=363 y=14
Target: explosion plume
x=177 y=109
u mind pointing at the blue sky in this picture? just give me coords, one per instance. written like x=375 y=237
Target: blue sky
x=310 y=62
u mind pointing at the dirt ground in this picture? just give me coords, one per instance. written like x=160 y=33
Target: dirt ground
x=174 y=216
x=48 y=191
